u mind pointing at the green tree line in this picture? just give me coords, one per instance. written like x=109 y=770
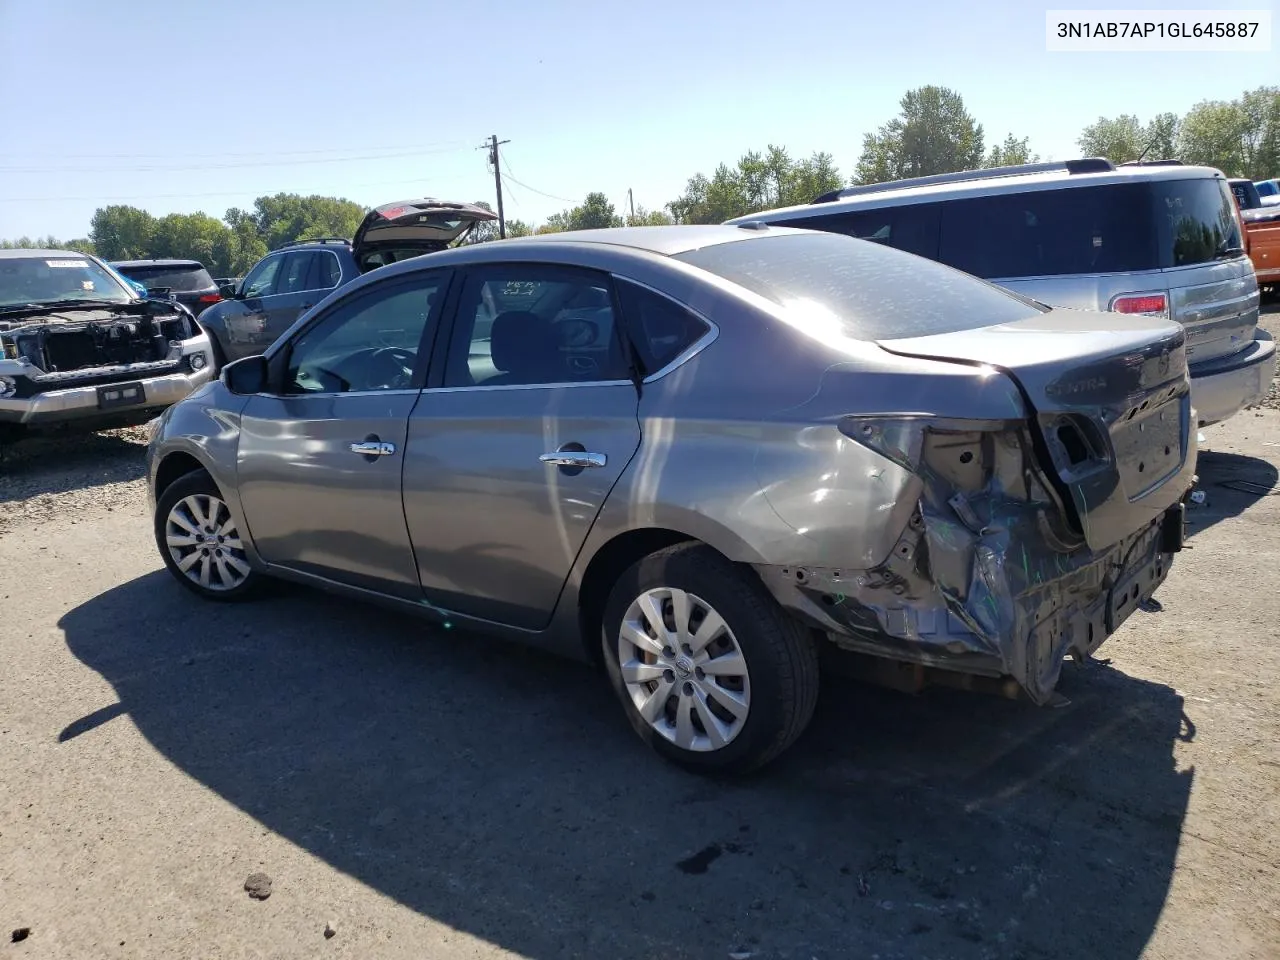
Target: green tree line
x=932 y=133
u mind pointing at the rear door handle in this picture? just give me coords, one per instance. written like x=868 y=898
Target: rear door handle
x=574 y=458
x=374 y=448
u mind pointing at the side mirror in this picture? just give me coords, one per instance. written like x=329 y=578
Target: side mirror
x=228 y=291
x=246 y=376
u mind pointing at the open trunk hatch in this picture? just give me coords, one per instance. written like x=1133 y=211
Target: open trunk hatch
x=410 y=228
x=1112 y=407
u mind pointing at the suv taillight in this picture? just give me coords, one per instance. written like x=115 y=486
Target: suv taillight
x=211 y=298
x=1148 y=304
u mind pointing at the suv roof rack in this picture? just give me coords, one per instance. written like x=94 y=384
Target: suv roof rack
x=294 y=243
x=1152 y=163
x=1084 y=165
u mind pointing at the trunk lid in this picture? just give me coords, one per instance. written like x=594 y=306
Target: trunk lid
x=1111 y=402
x=409 y=228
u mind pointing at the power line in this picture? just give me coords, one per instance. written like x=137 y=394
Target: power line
x=174 y=196
x=228 y=166
x=423 y=147
x=549 y=196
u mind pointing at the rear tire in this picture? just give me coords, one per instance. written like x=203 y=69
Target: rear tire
x=199 y=542
x=727 y=680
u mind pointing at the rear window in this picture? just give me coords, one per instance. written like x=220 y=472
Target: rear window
x=178 y=279
x=1040 y=233
x=871 y=291
x=1196 y=220
x=1111 y=228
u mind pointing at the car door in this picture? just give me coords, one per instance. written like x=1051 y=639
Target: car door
x=293 y=293
x=246 y=317
x=526 y=424
x=319 y=459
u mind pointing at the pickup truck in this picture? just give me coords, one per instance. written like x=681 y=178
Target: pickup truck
x=81 y=349
x=1261 y=224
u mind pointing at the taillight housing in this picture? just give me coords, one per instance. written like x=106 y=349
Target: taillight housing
x=210 y=298
x=1146 y=304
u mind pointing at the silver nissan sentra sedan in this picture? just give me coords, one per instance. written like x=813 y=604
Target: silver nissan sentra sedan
x=700 y=456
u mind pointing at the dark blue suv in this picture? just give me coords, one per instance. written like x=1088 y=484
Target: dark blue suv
x=290 y=280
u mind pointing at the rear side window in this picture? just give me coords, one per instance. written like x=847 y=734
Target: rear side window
x=860 y=290
x=1196 y=220
x=913 y=228
x=328 y=273
x=179 y=279
x=660 y=328
x=293 y=275
x=1045 y=233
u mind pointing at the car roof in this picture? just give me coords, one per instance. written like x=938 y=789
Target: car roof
x=36 y=252
x=668 y=240
x=611 y=242
x=988 y=185
x=158 y=263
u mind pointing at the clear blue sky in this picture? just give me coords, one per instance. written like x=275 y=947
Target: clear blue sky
x=184 y=106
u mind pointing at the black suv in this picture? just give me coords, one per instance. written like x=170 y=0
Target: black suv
x=290 y=280
x=186 y=281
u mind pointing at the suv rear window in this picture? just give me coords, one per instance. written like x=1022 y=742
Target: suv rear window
x=1109 y=228
x=874 y=292
x=1104 y=229
x=177 y=278
x=1196 y=220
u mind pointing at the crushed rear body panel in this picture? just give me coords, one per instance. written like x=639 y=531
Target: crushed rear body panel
x=988 y=576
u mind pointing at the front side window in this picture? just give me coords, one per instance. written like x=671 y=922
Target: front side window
x=521 y=324
x=26 y=280
x=369 y=343
x=262 y=279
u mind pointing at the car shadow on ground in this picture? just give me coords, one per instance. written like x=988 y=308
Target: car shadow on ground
x=1231 y=483
x=500 y=791
x=58 y=463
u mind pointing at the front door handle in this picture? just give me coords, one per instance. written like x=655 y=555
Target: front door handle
x=574 y=458
x=374 y=448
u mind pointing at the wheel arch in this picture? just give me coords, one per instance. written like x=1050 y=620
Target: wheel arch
x=173 y=466
x=606 y=566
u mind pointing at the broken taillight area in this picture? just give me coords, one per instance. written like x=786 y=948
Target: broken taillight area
x=992 y=573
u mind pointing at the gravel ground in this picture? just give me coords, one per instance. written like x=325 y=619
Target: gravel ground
x=305 y=776
x=70 y=479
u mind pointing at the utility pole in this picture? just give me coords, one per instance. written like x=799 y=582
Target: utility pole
x=632 y=202
x=492 y=147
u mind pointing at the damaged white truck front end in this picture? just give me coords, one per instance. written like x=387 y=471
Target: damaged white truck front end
x=95 y=366
x=1014 y=540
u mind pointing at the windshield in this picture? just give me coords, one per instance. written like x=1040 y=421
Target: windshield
x=859 y=289
x=47 y=278
x=179 y=278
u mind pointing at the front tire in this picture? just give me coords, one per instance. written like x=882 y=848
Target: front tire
x=199 y=541
x=712 y=673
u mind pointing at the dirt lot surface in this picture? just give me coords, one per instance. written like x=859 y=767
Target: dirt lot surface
x=427 y=794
